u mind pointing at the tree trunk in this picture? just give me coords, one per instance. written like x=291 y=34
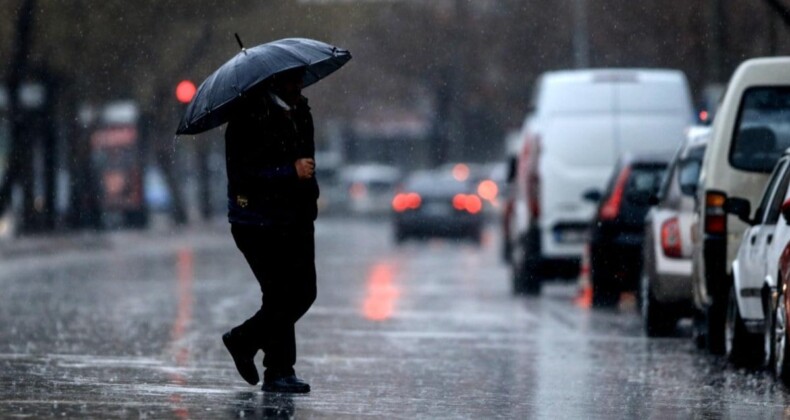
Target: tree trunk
x=18 y=68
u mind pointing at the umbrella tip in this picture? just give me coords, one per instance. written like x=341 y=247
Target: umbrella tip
x=239 y=41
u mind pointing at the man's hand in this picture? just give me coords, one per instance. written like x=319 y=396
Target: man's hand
x=305 y=168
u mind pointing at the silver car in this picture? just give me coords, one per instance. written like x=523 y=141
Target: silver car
x=665 y=290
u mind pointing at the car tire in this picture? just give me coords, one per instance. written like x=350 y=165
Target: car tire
x=533 y=281
x=715 y=318
x=699 y=335
x=741 y=347
x=518 y=253
x=532 y=269
x=781 y=350
x=476 y=237
x=136 y=219
x=527 y=266
x=604 y=293
x=400 y=236
x=658 y=319
x=769 y=333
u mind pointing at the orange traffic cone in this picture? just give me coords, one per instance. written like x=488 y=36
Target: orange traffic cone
x=585 y=296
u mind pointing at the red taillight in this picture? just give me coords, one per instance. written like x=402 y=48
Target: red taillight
x=406 y=201
x=611 y=209
x=488 y=190
x=715 y=217
x=670 y=238
x=470 y=203
x=473 y=204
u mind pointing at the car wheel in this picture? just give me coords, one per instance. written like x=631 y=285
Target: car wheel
x=516 y=268
x=400 y=236
x=741 y=347
x=605 y=294
x=781 y=365
x=698 y=331
x=476 y=237
x=533 y=283
x=769 y=333
x=658 y=320
x=527 y=265
x=715 y=316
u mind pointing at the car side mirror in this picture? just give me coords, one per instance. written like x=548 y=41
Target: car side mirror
x=592 y=196
x=739 y=207
x=786 y=211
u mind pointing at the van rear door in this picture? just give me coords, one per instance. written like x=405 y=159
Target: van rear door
x=576 y=153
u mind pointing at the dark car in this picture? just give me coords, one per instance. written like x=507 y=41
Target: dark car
x=617 y=232
x=435 y=204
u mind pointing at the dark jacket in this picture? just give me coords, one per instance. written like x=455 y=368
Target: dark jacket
x=262 y=143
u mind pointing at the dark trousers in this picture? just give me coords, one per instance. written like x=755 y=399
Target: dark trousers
x=283 y=261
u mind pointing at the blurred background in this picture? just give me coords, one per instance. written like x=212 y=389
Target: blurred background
x=89 y=105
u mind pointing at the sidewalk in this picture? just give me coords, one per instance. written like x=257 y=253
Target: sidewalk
x=84 y=241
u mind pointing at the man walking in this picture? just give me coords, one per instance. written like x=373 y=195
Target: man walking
x=272 y=193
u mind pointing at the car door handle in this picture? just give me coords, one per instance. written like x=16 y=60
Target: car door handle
x=769 y=239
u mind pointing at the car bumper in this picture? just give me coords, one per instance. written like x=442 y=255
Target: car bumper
x=433 y=225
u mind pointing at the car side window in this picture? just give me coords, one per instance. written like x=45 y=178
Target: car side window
x=775 y=206
x=768 y=194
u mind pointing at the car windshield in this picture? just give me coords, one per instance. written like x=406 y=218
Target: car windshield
x=763 y=129
x=645 y=179
x=436 y=185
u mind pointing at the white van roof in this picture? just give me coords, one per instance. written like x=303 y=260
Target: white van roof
x=613 y=75
x=613 y=90
x=762 y=71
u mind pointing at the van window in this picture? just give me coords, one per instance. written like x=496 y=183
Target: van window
x=762 y=131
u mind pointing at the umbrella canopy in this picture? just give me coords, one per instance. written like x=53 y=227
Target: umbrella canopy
x=213 y=103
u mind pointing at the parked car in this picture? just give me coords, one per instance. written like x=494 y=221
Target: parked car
x=580 y=123
x=754 y=270
x=749 y=134
x=369 y=188
x=432 y=203
x=617 y=231
x=779 y=347
x=665 y=286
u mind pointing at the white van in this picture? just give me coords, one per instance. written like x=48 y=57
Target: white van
x=580 y=123
x=749 y=134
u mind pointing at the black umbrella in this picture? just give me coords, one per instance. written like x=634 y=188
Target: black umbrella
x=212 y=104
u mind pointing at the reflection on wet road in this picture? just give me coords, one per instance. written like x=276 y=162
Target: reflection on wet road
x=428 y=329
x=382 y=294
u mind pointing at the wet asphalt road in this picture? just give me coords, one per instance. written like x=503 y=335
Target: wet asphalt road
x=128 y=325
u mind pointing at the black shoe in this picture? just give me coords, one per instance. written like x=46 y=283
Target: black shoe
x=287 y=384
x=242 y=356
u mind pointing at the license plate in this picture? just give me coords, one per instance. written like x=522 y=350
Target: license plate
x=437 y=209
x=571 y=236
